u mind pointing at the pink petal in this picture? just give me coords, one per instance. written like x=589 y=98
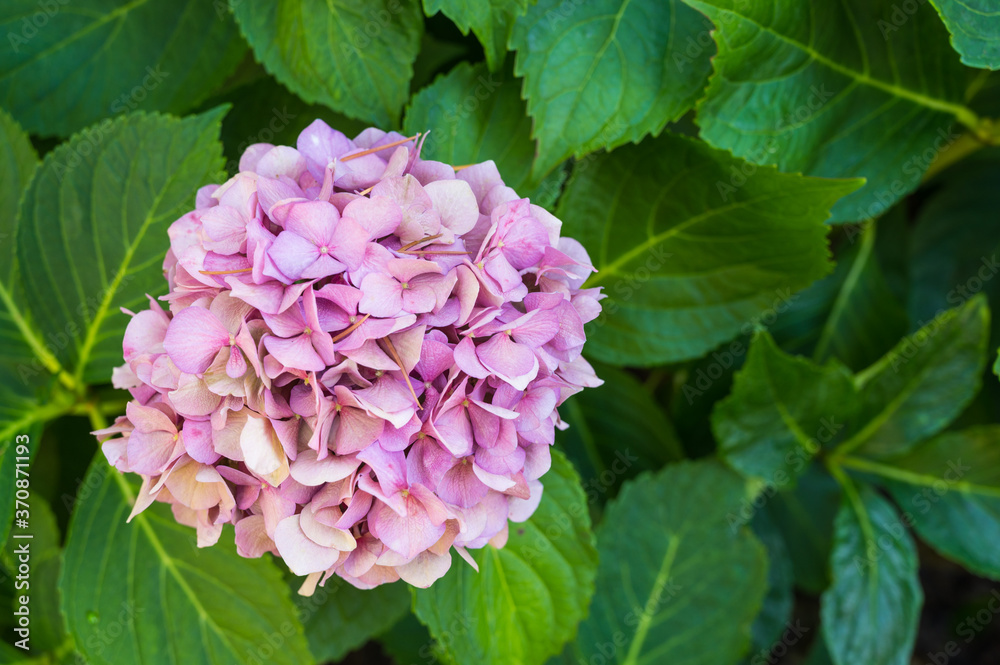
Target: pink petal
x=297 y=352
x=308 y=470
x=194 y=338
x=408 y=535
x=301 y=554
x=456 y=203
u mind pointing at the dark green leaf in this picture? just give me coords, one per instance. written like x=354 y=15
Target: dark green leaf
x=144 y=593
x=850 y=315
x=356 y=58
x=975 y=29
x=69 y=66
x=770 y=624
x=92 y=228
x=949 y=487
x=605 y=73
x=527 y=598
x=615 y=432
x=689 y=259
x=781 y=411
x=474 y=115
x=339 y=618
x=677 y=584
x=834 y=89
x=805 y=516
x=871 y=610
x=24 y=379
x=922 y=384
x=491 y=20
x=955 y=242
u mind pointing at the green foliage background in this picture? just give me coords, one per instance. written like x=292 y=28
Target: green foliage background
x=792 y=206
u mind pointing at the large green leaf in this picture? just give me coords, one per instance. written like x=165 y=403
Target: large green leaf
x=527 y=598
x=975 y=29
x=605 y=73
x=143 y=592
x=474 y=115
x=782 y=410
x=92 y=228
x=822 y=88
x=690 y=255
x=871 y=610
x=70 y=65
x=491 y=20
x=339 y=618
x=923 y=383
x=677 y=584
x=851 y=315
x=356 y=58
x=615 y=432
x=949 y=489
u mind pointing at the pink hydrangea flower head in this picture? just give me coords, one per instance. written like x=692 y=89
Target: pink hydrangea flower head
x=360 y=362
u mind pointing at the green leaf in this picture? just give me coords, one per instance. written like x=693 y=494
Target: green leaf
x=975 y=30
x=491 y=20
x=782 y=410
x=24 y=379
x=93 y=228
x=805 y=515
x=474 y=115
x=70 y=66
x=356 y=58
x=144 y=593
x=677 y=584
x=615 y=432
x=688 y=259
x=955 y=242
x=850 y=315
x=825 y=89
x=949 y=490
x=605 y=73
x=527 y=598
x=871 y=610
x=770 y=624
x=339 y=618
x=923 y=383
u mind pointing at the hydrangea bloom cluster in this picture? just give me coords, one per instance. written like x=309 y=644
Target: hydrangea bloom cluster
x=360 y=361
